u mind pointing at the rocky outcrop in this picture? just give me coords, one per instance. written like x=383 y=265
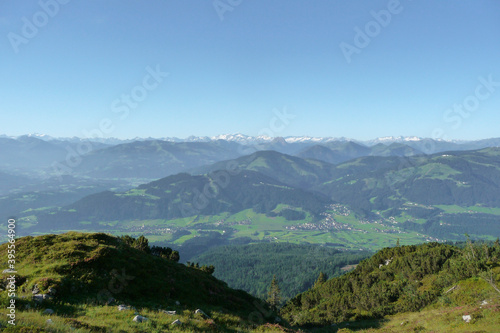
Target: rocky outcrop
x=140 y=319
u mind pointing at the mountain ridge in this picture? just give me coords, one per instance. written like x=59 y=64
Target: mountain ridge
x=246 y=139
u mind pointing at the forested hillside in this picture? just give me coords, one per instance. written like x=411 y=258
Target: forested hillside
x=394 y=280
x=290 y=170
x=296 y=266
x=424 y=188
x=184 y=195
x=339 y=152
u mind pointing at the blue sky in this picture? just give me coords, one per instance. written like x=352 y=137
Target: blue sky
x=233 y=65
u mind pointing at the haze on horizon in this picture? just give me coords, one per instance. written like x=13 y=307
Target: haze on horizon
x=126 y=69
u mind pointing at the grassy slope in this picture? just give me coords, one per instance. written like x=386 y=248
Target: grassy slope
x=445 y=315
x=93 y=257
x=87 y=269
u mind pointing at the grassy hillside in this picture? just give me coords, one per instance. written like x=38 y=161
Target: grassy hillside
x=425 y=288
x=461 y=178
x=93 y=273
x=483 y=307
x=414 y=190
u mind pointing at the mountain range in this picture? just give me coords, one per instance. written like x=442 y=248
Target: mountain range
x=442 y=196
x=45 y=156
x=233 y=199
x=247 y=139
x=224 y=191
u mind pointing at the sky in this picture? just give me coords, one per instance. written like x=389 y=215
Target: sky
x=323 y=68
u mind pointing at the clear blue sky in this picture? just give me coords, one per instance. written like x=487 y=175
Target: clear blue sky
x=228 y=75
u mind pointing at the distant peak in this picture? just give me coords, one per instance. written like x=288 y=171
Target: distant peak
x=246 y=139
x=279 y=140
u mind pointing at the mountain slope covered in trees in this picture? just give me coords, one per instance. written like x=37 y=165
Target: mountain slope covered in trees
x=396 y=280
x=153 y=159
x=461 y=178
x=290 y=170
x=296 y=266
x=184 y=195
x=338 y=152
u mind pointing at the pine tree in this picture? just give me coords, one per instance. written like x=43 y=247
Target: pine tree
x=274 y=294
x=321 y=279
x=174 y=256
x=142 y=244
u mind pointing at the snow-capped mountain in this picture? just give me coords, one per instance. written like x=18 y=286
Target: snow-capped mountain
x=392 y=139
x=252 y=140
